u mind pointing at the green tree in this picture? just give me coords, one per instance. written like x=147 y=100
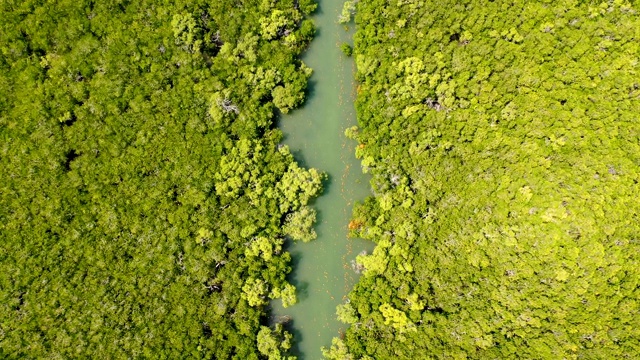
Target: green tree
x=288 y=295
x=346 y=313
x=255 y=291
x=186 y=32
x=348 y=9
x=346 y=49
x=337 y=351
x=274 y=343
x=298 y=186
x=492 y=185
x=140 y=151
x=276 y=25
x=299 y=224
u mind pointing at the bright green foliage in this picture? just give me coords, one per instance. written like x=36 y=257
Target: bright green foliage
x=502 y=139
x=337 y=351
x=272 y=343
x=394 y=317
x=264 y=247
x=298 y=186
x=186 y=32
x=348 y=9
x=142 y=176
x=286 y=98
x=278 y=24
x=288 y=295
x=255 y=292
x=299 y=224
x=346 y=313
x=376 y=263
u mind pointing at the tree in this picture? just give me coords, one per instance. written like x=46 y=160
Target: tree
x=274 y=343
x=286 y=97
x=376 y=263
x=264 y=247
x=255 y=291
x=346 y=49
x=297 y=186
x=288 y=295
x=275 y=25
x=186 y=32
x=337 y=351
x=396 y=318
x=299 y=224
x=348 y=9
x=346 y=313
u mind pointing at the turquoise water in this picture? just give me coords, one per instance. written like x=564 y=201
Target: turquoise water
x=315 y=134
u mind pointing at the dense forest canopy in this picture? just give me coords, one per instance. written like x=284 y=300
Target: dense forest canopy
x=144 y=193
x=502 y=137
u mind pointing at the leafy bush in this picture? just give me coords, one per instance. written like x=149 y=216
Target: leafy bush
x=346 y=49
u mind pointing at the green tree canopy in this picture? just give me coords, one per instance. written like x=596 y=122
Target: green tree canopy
x=142 y=176
x=502 y=142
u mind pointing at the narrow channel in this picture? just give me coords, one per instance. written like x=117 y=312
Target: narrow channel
x=315 y=134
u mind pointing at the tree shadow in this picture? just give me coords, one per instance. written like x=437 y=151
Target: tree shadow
x=318 y=11
x=310 y=91
x=302 y=287
x=297 y=339
x=288 y=324
x=327 y=186
x=298 y=156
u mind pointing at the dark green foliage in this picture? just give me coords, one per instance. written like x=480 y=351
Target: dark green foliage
x=346 y=49
x=142 y=178
x=502 y=137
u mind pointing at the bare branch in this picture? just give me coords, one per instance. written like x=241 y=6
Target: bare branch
x=228 y=106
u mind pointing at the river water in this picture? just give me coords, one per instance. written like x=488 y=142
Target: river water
x=315 y=135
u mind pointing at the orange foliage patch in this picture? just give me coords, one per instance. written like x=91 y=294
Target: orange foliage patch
x=355 y=224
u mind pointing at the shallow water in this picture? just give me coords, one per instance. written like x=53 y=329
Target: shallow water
x=315 y=134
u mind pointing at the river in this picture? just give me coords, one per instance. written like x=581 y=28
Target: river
x=315 y=134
